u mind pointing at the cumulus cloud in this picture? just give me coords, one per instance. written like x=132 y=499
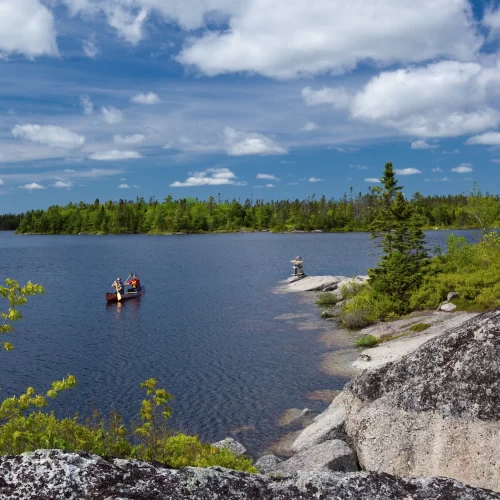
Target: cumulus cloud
x=150 y=98
x=337 y=97
x=407 y=171
x=423 y=145
x=436 y=169
x=128 y=139
x=283 y=39
x=243 y=144
x=111 y=115
x=32 y=186
x=373 y=180
x=309 y=127
x=210 y=177
x=443 y=99
x=358 y=167
x=86 y=104
x=115 y=155
x=463 y=168
x=486 y=139
x=315 y=179
x=266 y=186
x=269 y=177
x=49 y=135
x=124 y=186
x=63 y=184
x=27 y=28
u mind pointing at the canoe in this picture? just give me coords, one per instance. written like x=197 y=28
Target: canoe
x=111 y=297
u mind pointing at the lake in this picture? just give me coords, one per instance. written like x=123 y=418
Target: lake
x=206 y=328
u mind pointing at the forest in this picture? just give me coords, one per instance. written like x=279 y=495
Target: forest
x=191 y=215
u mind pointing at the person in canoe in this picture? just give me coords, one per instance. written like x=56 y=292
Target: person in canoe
x=134 y=282
x=118 y=285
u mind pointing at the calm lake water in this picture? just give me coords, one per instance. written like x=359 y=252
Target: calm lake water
x=206 y=328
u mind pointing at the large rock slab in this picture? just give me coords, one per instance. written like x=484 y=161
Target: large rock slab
x=436 y=411
x=328 y=425
x=52 y=474
x=332 y=455
x=390 y=352
x=315 y=283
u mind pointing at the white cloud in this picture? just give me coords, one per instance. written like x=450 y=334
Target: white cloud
x=111 y=115
x=283 y=39
x=266 y=186
x=86 y=104
x=150 y=98
x=309 y=127
x=463 y=168
x=436 y=169
x=486 y=139
x=344 y=149
x=32 y=186
x=26 y=27
x=358 y=167
x=372 y=180
x=210 y=177
x=269 y=177
x=129 y=139
x=285 y=162
x=315 y=179
x=63 y=184
x=90 y=48
x=407 y=171
x=337 y=97
x=444 y=99
x=49 y=135
x=423 y=145
x=243 y=143
x=124 y=186
x=496 y=160
x=1 y=182
x=114 y=155
x=491 y=20
x=442 y=179
x=293 y=184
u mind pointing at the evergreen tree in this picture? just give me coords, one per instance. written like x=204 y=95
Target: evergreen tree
x=404 y=261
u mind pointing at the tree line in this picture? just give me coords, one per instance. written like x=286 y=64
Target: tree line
x=352 y=212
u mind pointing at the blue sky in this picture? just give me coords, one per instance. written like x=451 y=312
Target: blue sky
x=272 y=99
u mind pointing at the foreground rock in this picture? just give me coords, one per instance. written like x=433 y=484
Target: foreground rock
x=332 y=455
x=436 y=411
x=52 y=474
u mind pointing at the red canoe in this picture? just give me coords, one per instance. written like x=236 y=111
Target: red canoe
x=111 y=297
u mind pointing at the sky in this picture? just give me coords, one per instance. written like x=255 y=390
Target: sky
x=267 y=99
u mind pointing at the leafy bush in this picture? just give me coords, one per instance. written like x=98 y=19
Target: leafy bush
x=419 y=327
x=351 y=289
x=367 y=341
x=327 y=299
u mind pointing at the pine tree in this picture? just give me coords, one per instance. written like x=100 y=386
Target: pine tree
x=404 y=261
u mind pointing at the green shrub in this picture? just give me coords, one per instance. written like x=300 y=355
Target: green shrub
x=419 y=327
x=327 y=299
x=367 y=341
x=352 y=289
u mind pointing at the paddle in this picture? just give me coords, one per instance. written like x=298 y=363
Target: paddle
x=118 y=295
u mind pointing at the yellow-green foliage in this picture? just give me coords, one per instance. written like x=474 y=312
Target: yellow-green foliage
x=471 y=270
x=419 y=327
x=367 y=341
x=327 y=299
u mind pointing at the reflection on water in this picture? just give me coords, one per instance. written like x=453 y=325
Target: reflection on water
x=234 y=354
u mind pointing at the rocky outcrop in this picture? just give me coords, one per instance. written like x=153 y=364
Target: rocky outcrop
x=267 y=463
x=231 y=444
x=332 y=455
x=328 y=425
x=52 y=474
x=435 y=411
x=315 y=284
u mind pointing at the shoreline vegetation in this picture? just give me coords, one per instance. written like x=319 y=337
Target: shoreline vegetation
x=351 y=213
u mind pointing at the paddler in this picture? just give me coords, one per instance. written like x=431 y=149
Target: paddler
x=118 y=285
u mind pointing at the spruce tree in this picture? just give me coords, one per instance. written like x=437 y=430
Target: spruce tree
x=398 y=224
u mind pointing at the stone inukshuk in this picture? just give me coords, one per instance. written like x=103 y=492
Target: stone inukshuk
x=297 y=266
